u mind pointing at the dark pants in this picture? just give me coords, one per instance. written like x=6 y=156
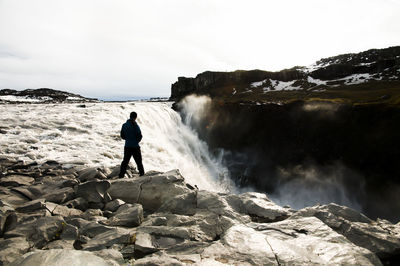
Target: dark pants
x=137 y=156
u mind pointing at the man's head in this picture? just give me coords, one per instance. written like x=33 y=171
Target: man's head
x=133 y=116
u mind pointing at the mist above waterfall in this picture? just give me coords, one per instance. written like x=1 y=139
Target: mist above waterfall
x=302 y=154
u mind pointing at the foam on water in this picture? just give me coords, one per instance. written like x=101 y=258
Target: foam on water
x=69 y=133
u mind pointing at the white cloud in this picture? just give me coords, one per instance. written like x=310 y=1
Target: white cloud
x=130 y=47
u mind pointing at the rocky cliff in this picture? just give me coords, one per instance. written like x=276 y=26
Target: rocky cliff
x=327 y=131
x=370 y=76
x=52 y=214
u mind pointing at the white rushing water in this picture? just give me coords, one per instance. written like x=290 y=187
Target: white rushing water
x=71 y=134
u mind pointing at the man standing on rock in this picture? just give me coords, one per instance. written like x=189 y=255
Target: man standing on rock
x=132 y=135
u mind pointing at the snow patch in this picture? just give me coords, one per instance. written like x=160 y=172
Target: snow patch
x=278 y=85
x=258 y=83
x=12 y=98
x=315 y=81
x=357 y=78
x=71 y=98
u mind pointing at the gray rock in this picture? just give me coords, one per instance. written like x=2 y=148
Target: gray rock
x=12 y=249
x=94 y=191
x=181 y=204
x=144 y=243
x=111 y=256
x=114 y=205
x=61 y=210
x=77 y=222
x=8 y=218
x=218 y=204
x=261 y=209
x=29 y=193
x=91 y=174
x=92 y=229
x=107 y=239
x=39 y=231
x=380 y=237
x=91 y=213
x=16 y=181
x=160 y=188
x=78 y=203
x=158 y=260
x=56 y=257
x=128 y=252
x=127 y=215
x=69 y=232
x=12 y=198
x=60 y=244
x=60 y=196
x=127 y=190
x=150 y=191
x=307 y=240
x=32 y=206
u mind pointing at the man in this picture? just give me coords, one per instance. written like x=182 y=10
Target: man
x=132 y=135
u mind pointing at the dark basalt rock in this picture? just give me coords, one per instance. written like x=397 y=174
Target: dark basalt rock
x=382 y=64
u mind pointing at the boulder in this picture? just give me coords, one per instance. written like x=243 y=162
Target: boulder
x=56 y=257
x=93 y=215
x=150 y=191
x=12 y=197
x=159 y=188
x=8 y=218
x=220 y=204
x=60 y=244
x=12 y=249
x=307 y=240
x=78 y=203
x=32 y=206
x=158 y=260
x=61 y=210
x=181 y=204
x=38 y=231
x=111 y=256
x=261 y=209
x=61 y=195
x=89 y=174
x=107 y=239
x=380 y=237
x=127 y=215
x=69 y=232
x=16 y=181
x=114 y=205
x=127 y=190
x=94 y=191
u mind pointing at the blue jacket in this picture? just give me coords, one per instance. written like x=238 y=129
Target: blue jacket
x=131 y=133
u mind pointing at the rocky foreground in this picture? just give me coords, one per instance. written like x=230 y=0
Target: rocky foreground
x=54 y=214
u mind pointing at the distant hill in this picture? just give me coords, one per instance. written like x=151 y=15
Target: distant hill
x=372 y=76
x=43 y=95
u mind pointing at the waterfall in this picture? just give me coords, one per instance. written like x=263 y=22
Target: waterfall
x=74 y=134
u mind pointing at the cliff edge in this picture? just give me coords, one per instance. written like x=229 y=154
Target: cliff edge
x=367 y=77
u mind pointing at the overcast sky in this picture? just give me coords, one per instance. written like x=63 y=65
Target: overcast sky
x=111 y=48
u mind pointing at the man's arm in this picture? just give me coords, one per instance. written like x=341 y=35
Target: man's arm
x=122 y=132
x=139 y=134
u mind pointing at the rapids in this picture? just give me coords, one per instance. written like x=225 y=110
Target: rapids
x=89 y=135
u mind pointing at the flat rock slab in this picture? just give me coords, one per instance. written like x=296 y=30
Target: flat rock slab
x=16 y=181
x=56 y=257
x=94 y=191
x=128 y=215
